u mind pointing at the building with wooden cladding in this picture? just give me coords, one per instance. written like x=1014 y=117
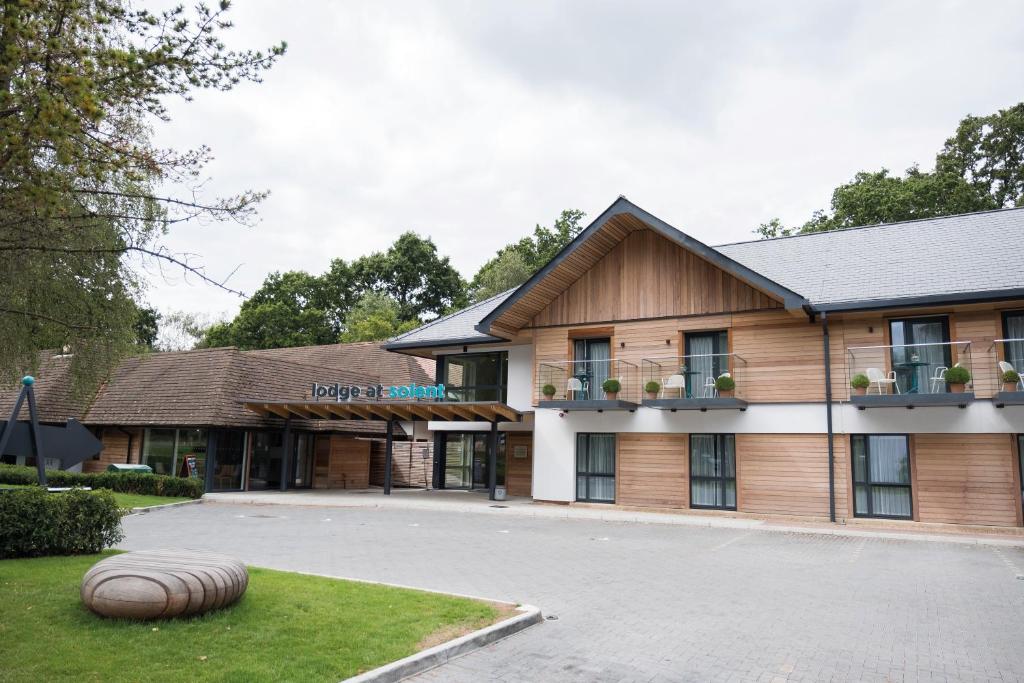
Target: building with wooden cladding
x=752 y=348
x=163 y=409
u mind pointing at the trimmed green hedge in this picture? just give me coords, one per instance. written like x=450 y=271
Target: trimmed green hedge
x=126 y=482
x=34 y=523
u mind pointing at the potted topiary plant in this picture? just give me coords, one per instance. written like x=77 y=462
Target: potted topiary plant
x=1010 y=380
x=956 y=377
x=611 y=387
x=725 y=386
x=652 y=388
x=860 y=384
x=549 y=391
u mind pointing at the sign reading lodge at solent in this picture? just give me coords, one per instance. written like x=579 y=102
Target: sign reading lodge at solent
x=346 y=392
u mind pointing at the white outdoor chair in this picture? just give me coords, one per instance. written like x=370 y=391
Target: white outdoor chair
x=674 y=382
x=1008 y=367
x=710 y=390
x=879 y=379
x=573 y=387
x=939 y=378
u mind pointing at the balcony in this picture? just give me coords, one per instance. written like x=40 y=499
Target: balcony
x=910 y=375
x=580 y=385
x=1008 y=392
x=693 y=382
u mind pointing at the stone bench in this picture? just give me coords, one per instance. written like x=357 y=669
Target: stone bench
x=160 y=584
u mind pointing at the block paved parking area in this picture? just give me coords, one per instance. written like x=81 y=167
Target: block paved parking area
x=639 y=602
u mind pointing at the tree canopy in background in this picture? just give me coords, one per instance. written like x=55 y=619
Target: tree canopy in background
x=981 y=167
x=82 y=186
x=516 y=262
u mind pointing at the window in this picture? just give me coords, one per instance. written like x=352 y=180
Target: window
x=881 y=476
x=706 y=358
x=175 y=451
x=919 y=347
x=592 y=365
x=595 y=468
x=713 y=471
x=1013 y=332
x=465 y=460
x=475 y=376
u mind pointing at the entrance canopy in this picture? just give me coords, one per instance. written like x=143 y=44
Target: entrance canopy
x=447 y=411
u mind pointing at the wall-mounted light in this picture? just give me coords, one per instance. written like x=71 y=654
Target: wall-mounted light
x=622 y=345
x=668 y=342
x=870 y=329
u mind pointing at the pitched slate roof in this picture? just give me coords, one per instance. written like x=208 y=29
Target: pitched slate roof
x=963 y=257
x=944 y=259
x=454 y=328
x=362 y=357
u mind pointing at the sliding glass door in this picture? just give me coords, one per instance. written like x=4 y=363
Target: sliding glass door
x=465 y=460
x=595 y=468
x=881 y=476
x=713 y=471
x=593 y=365
x=919 y=347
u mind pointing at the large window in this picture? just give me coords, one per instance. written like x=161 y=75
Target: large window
x=231 y=447
x=713 y=471
x=1013 y=332
x=595 y=468
x=177 y=452
x=919 y=347
x=881 y=476
x=592 y=366
x=475 y=376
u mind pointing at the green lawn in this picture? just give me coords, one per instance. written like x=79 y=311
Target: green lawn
x=127 y=500
x=287 y=627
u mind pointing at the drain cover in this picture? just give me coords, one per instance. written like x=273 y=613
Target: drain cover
x=499 y=506
x=552 y=617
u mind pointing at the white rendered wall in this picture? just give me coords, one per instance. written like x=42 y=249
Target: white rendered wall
x=520 y=377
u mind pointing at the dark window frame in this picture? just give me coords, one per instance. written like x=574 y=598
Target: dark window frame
x=868 y=484
x=1004 y=319
x=500 y=389
x=721 y=479
x=587 y=474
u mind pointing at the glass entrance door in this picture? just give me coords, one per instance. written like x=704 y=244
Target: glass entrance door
x=919 y=347
x=465 y=460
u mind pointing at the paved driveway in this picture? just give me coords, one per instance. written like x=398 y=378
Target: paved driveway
x=639 y=602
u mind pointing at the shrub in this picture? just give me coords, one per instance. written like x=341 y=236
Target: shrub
x=958 y=375
x=126 y=482
x=1011 y=376
x=34 y=523
x=725 y=383
x=548 y=390
x=611 y=385
x=652 y=387
x=860 y=381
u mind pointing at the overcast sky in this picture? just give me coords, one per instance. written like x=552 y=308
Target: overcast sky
x=472 y=121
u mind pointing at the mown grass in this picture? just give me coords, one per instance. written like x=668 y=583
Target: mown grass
x=287 y=627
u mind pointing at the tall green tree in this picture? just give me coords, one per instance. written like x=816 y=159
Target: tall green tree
x=421 y=282
x=375 y=317
x=515 y=263
x=82 y=186
x=980 y=167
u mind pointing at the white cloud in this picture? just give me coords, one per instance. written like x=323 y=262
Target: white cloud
x=470 y=122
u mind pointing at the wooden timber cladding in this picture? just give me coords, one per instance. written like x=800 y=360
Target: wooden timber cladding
x=412 y=463
x=787 y=474
x=519 y=471
x=115 y=449
x=965 y=479
x=652 y=470
x=644 y=276
x=341 y=462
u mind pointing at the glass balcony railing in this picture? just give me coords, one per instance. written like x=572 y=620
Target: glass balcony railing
x=694 y=376
x=586 y=380
x=923 y=369
x=1007 y=364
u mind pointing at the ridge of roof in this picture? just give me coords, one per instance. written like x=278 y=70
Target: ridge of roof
x=870 y=226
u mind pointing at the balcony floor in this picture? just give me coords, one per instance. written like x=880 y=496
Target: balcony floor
x=598 y=405
x=912 y=400
x=701 y=404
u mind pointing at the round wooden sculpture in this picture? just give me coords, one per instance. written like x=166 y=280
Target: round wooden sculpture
x=160 y=584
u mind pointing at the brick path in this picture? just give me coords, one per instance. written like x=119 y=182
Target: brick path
x=640 y=602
